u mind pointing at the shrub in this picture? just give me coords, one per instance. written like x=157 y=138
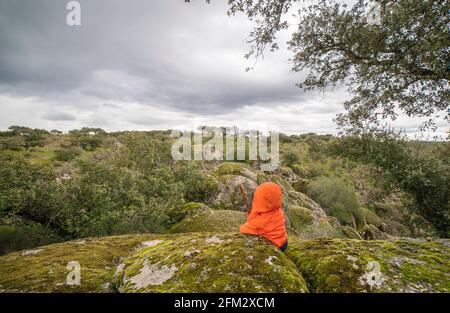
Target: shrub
x=340 y=199
x=13 y=238
x=371 y=217
x=291 y=158
x=66 y=155
x=199 y=187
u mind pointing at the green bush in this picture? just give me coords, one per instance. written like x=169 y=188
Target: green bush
x=13 y=238
x=291 y=158
x=199 y=187
x=338 y=198
x=66 y=155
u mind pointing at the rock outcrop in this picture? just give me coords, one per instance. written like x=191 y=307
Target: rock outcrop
x=344 y=265
x=211 y=221
x=229 y=262
x=209 y=263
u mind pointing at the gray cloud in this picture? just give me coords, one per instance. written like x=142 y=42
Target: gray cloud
x=148 y=121
x=59 y=116
x=160 y=53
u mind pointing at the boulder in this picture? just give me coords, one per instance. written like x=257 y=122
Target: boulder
x=178 y=213
x=45 y=269
x=229 y=195
x=211 y=221
x=197 y=262
x=345 y=265
x=229 y=262
x=209 y=263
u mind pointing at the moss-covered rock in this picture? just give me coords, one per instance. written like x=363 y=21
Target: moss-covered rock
x=209 y=263
x=230 y=262
x=230 y=168
x=45 y=269
x=229 y=196
x=295 y=198
x=345 y=265
x=178 y=213
x=320 y=228
x=287 y=173
x=211 y=221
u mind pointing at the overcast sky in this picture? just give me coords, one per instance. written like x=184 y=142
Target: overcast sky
x=148 y=64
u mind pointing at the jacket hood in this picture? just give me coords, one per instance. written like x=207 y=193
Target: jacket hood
x=267 y=198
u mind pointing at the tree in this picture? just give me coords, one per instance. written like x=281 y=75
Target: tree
x=397 y=65
x=88 y=139
x=31 y=137
x=291 y=158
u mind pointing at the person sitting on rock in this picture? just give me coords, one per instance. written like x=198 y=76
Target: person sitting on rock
x=266 y=218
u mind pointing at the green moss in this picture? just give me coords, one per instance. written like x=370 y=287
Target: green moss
x=320 y=228
x=45 y=269
x=345 y=265
x=285 y=185
x=229 y=168
x=180 y=212
x=230 y=262
x=211 y=221
x=300 y=217
x=294 y=198
x=205 y=262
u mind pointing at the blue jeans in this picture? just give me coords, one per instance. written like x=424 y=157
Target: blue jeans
x=284 y=246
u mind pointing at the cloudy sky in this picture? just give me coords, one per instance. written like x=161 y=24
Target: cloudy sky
x=141 y=64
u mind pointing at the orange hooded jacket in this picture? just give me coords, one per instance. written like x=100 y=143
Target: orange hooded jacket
x=267 y=218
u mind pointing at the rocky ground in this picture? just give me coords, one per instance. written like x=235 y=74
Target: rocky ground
x=230 y=262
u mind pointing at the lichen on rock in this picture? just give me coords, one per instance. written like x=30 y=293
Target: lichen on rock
x=46 y=270
x=300 y=217
x=228 y=262
x=229 y=195
x=345 y=265
x=231 y=262
x=211 y=221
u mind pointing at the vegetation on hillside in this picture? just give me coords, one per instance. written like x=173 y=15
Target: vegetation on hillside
x=93 y=183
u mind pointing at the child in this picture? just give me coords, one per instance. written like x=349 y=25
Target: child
x=266 y=218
